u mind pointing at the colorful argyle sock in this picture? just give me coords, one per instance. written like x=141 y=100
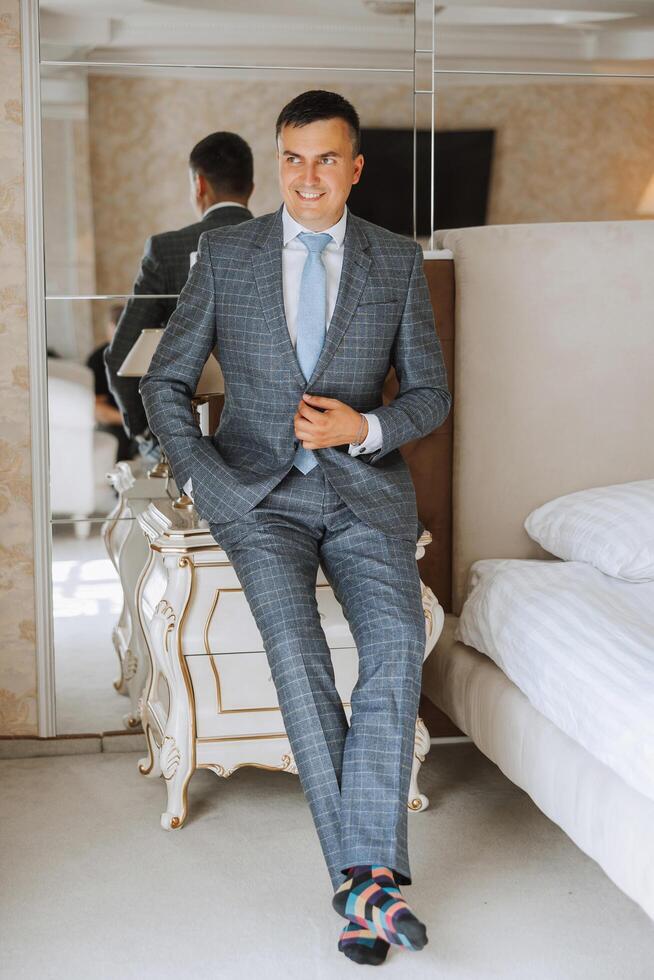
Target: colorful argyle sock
x=371 y=899
x=362 y=945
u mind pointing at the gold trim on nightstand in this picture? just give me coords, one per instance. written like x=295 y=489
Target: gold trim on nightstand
x=288 y=765
x=214 y=667
x=165 y=549
x=146 y=770
x=241 y=738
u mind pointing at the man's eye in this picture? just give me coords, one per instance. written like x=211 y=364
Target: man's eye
x=328 y=159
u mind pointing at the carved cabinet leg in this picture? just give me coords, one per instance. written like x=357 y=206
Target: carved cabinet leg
x=111 y=535
x=417 y=800
x=130 y=669
x=149 y=764
x=121 y=682
x=176 y=769
x=176 y=756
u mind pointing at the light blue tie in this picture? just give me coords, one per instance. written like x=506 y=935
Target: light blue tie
x=311 y=322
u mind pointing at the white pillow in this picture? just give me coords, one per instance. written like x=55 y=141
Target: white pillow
x=611 y=528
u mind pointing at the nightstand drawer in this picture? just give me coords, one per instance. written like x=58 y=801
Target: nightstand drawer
x=235 y=693
x=230 y=627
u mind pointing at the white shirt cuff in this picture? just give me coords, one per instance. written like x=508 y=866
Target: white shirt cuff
x=188 y=487
x=373 y=440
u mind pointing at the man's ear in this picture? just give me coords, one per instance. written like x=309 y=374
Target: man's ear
x=200 y=183
x=358 y=167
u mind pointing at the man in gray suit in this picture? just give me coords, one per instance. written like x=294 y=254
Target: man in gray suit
x=221 y=179
x=308 y=308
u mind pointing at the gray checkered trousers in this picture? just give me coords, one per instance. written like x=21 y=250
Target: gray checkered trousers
x=355 y=517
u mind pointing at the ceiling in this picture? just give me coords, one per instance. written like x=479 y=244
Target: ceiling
x=548 y=35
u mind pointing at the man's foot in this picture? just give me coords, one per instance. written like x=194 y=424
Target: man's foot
x=371 y=899
x=362 y=945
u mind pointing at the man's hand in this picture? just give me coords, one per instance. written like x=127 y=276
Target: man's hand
x=321 y=422
x=105 y=413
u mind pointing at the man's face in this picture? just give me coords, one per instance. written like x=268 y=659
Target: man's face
x=316 y=171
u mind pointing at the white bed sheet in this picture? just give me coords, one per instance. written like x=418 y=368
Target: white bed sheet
x=580 y=646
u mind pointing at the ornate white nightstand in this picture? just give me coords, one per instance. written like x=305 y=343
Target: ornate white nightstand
x=210 y=702
x=128 y=550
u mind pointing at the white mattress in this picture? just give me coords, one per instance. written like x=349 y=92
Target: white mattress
x=609 y=820
x=580 y=646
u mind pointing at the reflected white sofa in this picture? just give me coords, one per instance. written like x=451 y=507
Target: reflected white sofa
x=80 y=456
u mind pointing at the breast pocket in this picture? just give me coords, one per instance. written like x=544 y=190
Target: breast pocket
x=378 y=297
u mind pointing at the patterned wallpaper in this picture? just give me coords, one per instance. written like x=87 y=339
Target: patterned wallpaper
x=141 y=132
x=17 y=650
x=564 y=151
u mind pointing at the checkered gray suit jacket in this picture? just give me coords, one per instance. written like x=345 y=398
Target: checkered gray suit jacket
x=233 y=302
x=164 y=269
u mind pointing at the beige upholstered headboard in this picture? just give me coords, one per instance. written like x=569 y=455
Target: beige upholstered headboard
x=554 y=373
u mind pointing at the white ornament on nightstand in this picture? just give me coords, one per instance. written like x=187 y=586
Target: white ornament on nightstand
x=129 y=553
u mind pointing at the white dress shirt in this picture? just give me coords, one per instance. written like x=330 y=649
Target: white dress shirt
x=224 y=204
x=294 y=255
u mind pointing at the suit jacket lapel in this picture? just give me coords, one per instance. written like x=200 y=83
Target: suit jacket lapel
x=356 y=263
x=267 y=262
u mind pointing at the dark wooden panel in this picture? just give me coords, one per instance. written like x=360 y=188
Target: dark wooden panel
x=437 y=722
x=440 y=279
x=430 y=459
x=216 y=404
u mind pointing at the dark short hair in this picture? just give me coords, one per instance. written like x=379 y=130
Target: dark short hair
x=317 y=104
x=225 y=160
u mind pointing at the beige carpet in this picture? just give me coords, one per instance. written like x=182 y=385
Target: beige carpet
x=93 y=889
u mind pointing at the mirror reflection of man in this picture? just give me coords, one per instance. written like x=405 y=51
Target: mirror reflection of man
x=108 y=417
x=310 y=307
x=221 y=183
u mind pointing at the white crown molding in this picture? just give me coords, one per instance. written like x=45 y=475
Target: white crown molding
x=64 y=97
x=626 y=44
x=86 y=31
x=278 y=41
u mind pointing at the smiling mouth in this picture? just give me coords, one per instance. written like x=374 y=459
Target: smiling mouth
x=309 y=196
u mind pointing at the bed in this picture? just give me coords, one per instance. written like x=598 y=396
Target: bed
x=554 y=360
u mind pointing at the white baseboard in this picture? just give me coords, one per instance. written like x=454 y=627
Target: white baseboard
x=33 y=747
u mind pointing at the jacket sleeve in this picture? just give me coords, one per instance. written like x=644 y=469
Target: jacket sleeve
x=423 y=400
x=137 y=315
x=175 y=369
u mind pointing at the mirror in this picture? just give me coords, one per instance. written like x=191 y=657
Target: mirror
x=540 y=111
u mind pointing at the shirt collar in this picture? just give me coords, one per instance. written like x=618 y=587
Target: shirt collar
x=291 y=229
x=223 y=204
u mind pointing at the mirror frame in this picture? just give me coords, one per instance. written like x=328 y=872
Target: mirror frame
x=38 y=380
